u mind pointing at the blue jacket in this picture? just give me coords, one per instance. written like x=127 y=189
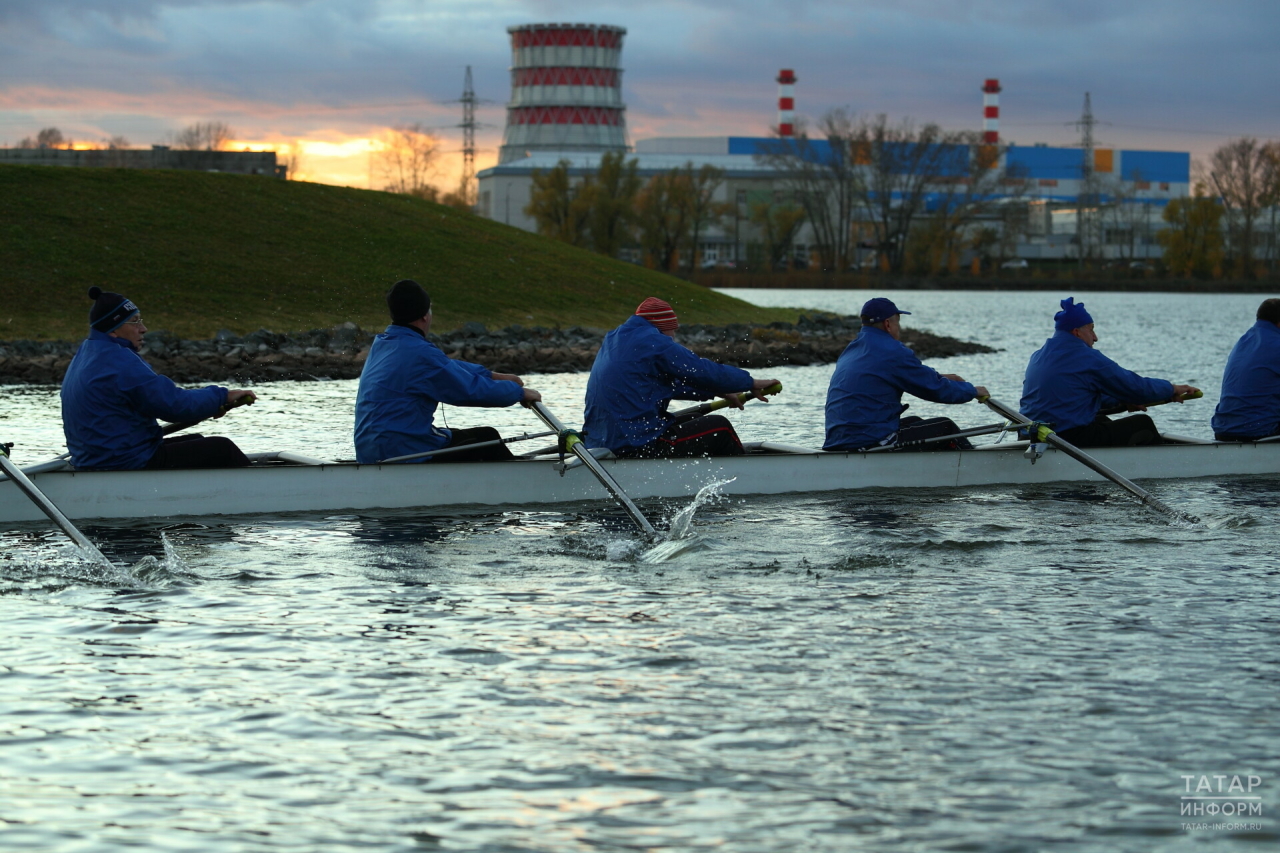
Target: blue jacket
x=111 y=399
x=637 y=372
x=404 y=379
x=1067 y=383
x=1250 y=403
x=864 y=400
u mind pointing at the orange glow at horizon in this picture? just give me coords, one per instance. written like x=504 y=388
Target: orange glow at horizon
x=345 y=160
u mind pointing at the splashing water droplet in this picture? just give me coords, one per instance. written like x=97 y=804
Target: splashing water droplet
x=680 y=536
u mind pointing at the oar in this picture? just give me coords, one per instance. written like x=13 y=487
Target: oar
x=920 y=442
x=242 y=400
x=572 y=443
x=48 y=508
x=1117 y=410
x=706 y=408
x=445 y=451
x=1048 y=435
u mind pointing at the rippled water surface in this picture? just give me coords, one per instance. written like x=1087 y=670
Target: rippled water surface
x=1005 y=668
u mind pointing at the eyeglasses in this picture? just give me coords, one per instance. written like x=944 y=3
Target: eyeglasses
x=136 y=321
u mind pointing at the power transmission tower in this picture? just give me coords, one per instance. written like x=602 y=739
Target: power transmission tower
x=468 y=126
x=1087 y=194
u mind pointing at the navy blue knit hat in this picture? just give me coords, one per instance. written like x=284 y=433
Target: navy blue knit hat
x=1072 y=316
x=110 y=311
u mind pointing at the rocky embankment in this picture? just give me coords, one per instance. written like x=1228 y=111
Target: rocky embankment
x=339 y=353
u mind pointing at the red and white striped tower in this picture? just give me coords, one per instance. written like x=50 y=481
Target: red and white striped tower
x=786 y=102
x=566 y=90
x=991 y=112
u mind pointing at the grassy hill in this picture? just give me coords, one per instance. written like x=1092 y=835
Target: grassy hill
x=198 y=252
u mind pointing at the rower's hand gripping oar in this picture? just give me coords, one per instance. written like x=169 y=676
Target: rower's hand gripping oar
x=1044 y=434
x=571 y=442
x=707 y=408
x=48 y=507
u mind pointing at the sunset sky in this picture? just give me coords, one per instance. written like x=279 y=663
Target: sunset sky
x=329 y=75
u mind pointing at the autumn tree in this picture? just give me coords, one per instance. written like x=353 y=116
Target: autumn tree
x=203 y=136
x=613 y=199
x=1242 y=174
x=1193 y=241
x=662 y=217
x=561 y=208
x=404 y=161
x=777 y=223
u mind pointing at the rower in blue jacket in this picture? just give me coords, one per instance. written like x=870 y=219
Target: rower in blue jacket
x=864 y=399
x=639 y=370
x=1069 y=383
x=406 y=377
x=1249 y=408
x=111 y=399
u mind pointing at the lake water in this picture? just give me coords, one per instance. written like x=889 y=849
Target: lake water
x=1003 y=669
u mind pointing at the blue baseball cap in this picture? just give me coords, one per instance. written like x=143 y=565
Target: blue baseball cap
x=880 y=309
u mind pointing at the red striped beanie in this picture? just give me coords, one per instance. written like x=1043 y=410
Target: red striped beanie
x=659 y=313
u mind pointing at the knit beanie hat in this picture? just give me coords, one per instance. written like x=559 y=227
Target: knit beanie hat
x=1072 y=316
x=659 y=313
x=110 y=311
x=407 y=302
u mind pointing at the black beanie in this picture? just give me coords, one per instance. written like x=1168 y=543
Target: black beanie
x=407 y=302
x=110 y=310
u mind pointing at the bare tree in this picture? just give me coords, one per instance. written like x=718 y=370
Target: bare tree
x=48 y=137
x=1239 y=172
x=968 y=184
x=778 y=223
x=203 y=136
x=824 y=177
x=405 y=161
x=703 y=211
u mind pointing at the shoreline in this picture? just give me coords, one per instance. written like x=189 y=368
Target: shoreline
x=340 y=352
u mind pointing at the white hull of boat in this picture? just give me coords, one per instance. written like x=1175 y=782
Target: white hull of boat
x=338 y=487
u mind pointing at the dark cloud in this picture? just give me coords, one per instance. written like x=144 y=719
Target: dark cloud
x=1191 y=67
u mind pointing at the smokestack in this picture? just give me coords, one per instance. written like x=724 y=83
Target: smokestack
x=786 y=102
x=991 y=112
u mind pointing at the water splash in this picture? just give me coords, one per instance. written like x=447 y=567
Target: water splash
x=680 y=537
x=161 y=572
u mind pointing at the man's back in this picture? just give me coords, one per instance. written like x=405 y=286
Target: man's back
x=1250 y=403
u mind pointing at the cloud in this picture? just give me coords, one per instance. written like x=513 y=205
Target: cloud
x=297 y=68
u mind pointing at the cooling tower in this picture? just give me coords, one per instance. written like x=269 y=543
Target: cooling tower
x=566 y=90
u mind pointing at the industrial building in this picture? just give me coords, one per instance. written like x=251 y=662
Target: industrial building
x=566 y=106
x=1053 y=181
x=156 y=157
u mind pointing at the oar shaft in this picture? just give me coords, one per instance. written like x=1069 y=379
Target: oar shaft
x=707 y=408
x=48 y=508
x=445 y=451
x=920 y=442
x=1088 y=461
x=593 y=464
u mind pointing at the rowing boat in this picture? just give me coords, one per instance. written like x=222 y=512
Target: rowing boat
x=286 y=482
